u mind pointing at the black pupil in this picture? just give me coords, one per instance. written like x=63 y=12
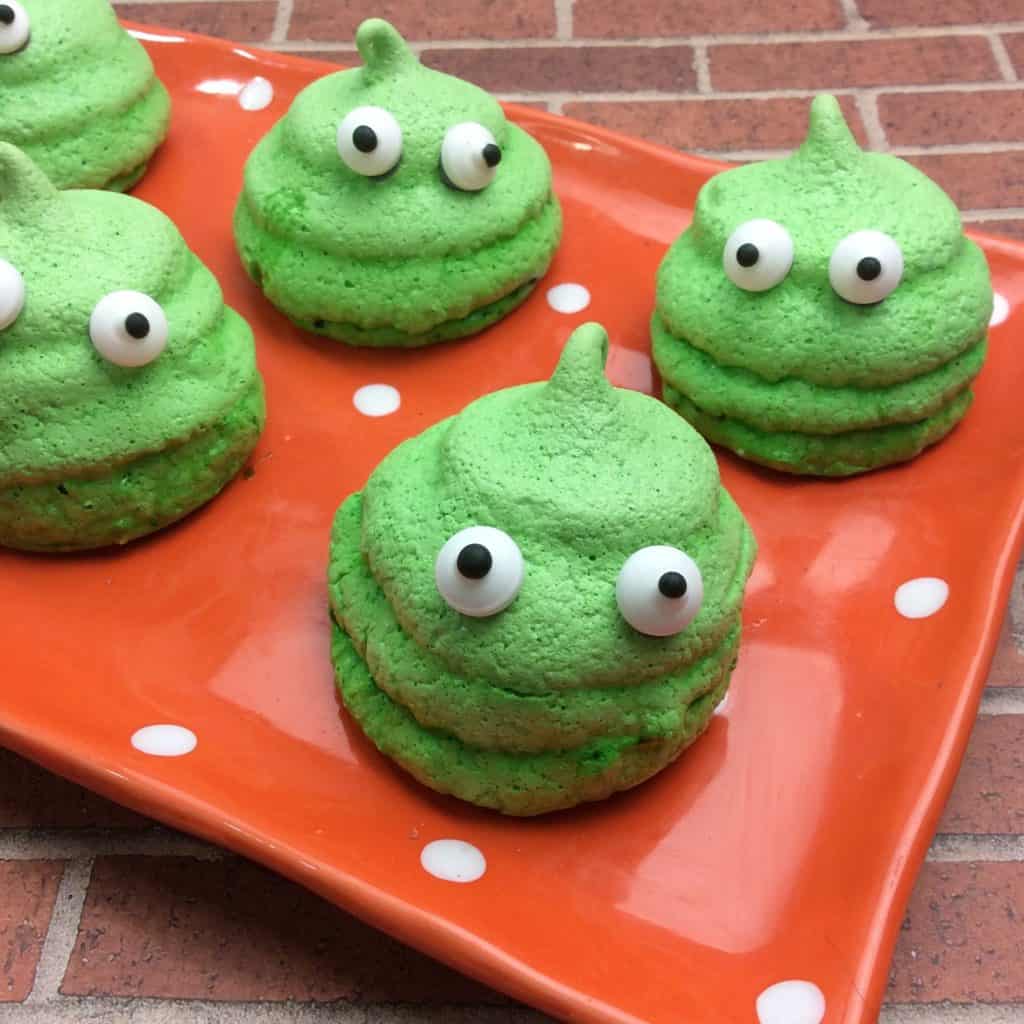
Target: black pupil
x=672 y=584
x=474 y=562
x=136 y=325
x=869 y=268
x=364 y=138
x=747 y=254
x=6 y=14
x=492 y=155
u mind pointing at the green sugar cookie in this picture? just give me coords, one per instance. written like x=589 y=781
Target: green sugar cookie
x=129 y=393
x=825 y=313
x=80 y=95
x=395 y=205
x=537 y=602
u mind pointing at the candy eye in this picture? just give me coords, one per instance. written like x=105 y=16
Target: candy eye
x=128 y=328
x=659 y=590
x=12 y=294
x=469 y=157
x=865 y=267
x=758 y=255
x=14 y=27
x=479 y=571
x=370 y=141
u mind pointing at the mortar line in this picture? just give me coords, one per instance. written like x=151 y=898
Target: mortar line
x=946 y=849
x=62 y=934
x=655 y=42
x=282 y=20
x=867 y=107
x=71 y=844
x=80 y=1009
x=951 y=1013
x=702 y=68
x=854 y=21
x=1002 y=57
x=564 y=19
x=1000 y=700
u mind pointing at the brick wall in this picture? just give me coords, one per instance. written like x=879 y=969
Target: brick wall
x=105 y=918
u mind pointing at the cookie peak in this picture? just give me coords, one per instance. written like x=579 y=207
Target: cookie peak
x=382 y=47
x=829 y=139
x=580 y=371
x=22 y=183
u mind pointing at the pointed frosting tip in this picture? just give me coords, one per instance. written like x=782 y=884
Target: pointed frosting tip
x=580 y=369
x=21 y=181
x=381 y=45
x=829 y=136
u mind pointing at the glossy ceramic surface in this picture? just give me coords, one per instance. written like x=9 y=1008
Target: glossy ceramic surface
x=782 y=847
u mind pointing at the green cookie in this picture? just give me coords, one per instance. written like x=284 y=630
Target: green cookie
x=823 y=314
x=130 y=392
x=537 y=602
x=394 y=205
x=80 y=95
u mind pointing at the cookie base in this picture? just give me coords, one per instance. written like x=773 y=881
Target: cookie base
x=139 y=497
x=381 y=337
x=844 y=454
x=521 y=785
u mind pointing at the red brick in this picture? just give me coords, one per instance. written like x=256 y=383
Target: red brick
x=33 y=798
x=342 y=58
x=977 y=180
x=989 y=793
x=1015 y=47
x=938 y=12
x=717 y=125
x=1008 y=661
x=962 y=938
x=631 y=18
x=571 y=68
x=179 y=928
x=244 y=22
x=28 y=889
x=1003 y=667
x=835 y=65
x=942 y=118
x=445 y=19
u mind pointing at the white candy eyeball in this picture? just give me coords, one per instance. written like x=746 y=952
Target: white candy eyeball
x=15 y=27
x=865 y=267
x=659 y=590
x=128 y=328
x=12 y=294
x=370 y=141
x=469 y=157
x=479 y=571
x=758 y=255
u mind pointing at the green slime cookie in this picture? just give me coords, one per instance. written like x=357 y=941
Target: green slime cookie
x=859 y=354
x=129 y=393
x=80 y=95
x=394 y=205
x=496 y=585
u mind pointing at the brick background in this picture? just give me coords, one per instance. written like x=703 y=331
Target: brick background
x=941 y=83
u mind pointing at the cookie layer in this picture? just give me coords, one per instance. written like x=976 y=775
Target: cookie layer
x=81 y=98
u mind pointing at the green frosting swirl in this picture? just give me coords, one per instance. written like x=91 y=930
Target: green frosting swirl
x=581 y=475
x=69 y=415
x=402 y=259
x=81 y=99
x=798 y=358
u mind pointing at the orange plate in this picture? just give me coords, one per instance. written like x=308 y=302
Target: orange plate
x=783 y=846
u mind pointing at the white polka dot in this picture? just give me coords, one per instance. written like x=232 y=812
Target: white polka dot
x=257 y=95
x=917 y=599
x=791 y=1002
x=452 y=860
x=377 y=400
x=165 y=740
x=568 y=298
x=1000 y=309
